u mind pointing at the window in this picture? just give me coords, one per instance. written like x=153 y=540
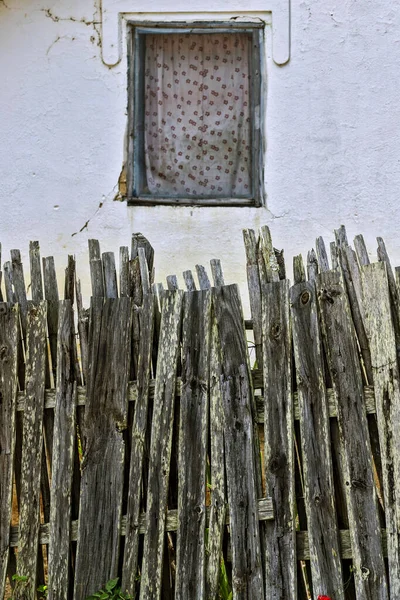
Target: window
x=194 y=111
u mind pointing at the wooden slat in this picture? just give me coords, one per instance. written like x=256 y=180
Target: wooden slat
x=32 y=451
x=247 y=576
x=361 y=250
x=254 y=287
x=334 y=255
x=368 y=563
x=36 y=272
x=69 y=282
x=109 y=275
x=189 y=281
x=160 y=449
x=216 y=271
x=63 y=457
x=103 y=445
x=279 y=540
x=322 y=256
x=312 y=265
x=140 y=241
x=202 y=276
x=193 y=434
x=316 y=454
x=145 y=273
x=218 y=510
x=8 y=282
x=124 y=286
x=266 y=250
x=83 y=328
x=394 y=292
x=382 y=342
x=9 y=341
x=299 y=272
x=172 y=283
x=140 y=420
x=51 y=295
x=96 y=269
x=19 y=287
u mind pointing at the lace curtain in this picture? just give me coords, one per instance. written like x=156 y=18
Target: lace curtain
x=197 y=115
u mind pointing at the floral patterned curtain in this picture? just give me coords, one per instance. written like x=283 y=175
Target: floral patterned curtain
x=197 y=114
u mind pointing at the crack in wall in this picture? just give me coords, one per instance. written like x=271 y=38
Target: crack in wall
x=95 y=23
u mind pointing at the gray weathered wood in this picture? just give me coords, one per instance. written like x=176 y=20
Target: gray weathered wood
x=280 y=259
x=124 y=287
x=316 y=454
x=189 y=281
x=299 y=273
x=341 y=237
x=145 y=273
x=216 y=271
x=394 y=293
x=31 y=451
x=160 y=449
x=217 y=519
x=342 y=353
x=52 y=298
x=361 y=250
x=96 y=269
x=36 y=272
x=109 y=275
x=103 y=445
x=334 y=255
x=280 y=548
x=382 y=341
x=247 y=576
x=267 y=252
x=69 y=283
x=19 y=286
x=140 y=420
x=312 y=265
x=172 y=283
x=9 y=341
x=322 y=256
x=83 y=328
x=193 y=434
x=254 y=287
x=139 y=241
x=10 y=297
x=63 y=457
x=202 y=276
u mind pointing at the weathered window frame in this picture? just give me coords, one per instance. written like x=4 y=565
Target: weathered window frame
x=135 y=152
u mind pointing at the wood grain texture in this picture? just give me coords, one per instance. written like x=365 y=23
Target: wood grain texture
x=52 y=298
x=103 y=445
x=254 y=287
x=316 y=454
x=322 y=255
x=36 y=272
x=204 y=282
x=344 y=365
x=32 y=451
x=312 y=265
x=361 y=251
x=124 y=286
x=267 y=252
x=160 y=449
x=382 y=340
x=172 y=283
x=139 y=425
x=192 y=458
x=247 y=575
x=299 y=272
x=280 y=548
x=216 y=271
x=189 y=281
x=109 y=275
x=63 y=457
x=9 y=340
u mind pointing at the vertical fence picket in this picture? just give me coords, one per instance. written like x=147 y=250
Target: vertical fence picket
x=63 y=457
x=202 y=276
x=317 y=463
x=254 y=286
x=109 y=275
x=51 y=295
x=9 y=340
x=193 y=434
x=189 y=281
x=103 y=459
x=160 y=448
x=124 y=271
x=29 y=518
x=236 y=385
x=339 y=333
x=280 y=534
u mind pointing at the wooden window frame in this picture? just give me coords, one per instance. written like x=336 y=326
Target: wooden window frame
x=135 y=153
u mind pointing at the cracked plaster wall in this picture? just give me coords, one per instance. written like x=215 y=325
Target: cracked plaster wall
x=332 y=137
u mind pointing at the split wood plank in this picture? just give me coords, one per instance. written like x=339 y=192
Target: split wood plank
x=51 y=295
x=36 y=272
x=9 y=341
x=160 y=448
x=96 y=269
x=192 y=458
x=342 y=354
x=361 y=250
x=172 y=283
x=63 y=457
x=10 y=297
x=316 y=454
x=124 y=271
x=145 y=273
x=237 y=399
x=109 y=275
x=382 y=339
x=280 y=538
x=312 y=265
x=216 y=271
x=202 y=276
x=216 y=523
x=334 y=256
x=189 y=281
x=299 y=272
x=32 y=446
x=267 y=252
x=394 y=293
x=103 y=445
x=139 y=426
x=69 y=282
x=322 y=256
x=83 y=328
x=19 y=287
x=140 y=241
x=254 y=287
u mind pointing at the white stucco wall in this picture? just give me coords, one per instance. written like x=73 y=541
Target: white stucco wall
x=332 y=130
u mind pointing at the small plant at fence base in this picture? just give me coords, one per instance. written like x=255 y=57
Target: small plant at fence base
x=111 y=591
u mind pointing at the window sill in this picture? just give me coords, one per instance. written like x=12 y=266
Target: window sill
x=217 y=202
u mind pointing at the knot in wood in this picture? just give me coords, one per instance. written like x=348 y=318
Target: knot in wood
x=277 y=463
x=365 y=572
x=3 y=309
x=305 y=297
x=275 y=330
x=4 y=353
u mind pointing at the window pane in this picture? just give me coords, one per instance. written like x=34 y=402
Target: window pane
x=197 y=115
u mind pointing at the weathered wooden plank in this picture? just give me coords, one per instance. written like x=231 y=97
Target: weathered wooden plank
x=394 y=293
x=334 y=256
x=254 y=287
x=32 y=451
x=382 y=342
x=280 y=548
x=139 y=241
x=216 y=271
x=280 y=259
x=361 y=250
x=9 y=341
x=299 y=272
x=103 y=445
x=189 y=281
x=172 y=283
x=342 y=353
x=247 y=576
x=19 y=287
x=160 y=448
x=83 y=328
x=69 y=282
x=36 y=272
x=218 y=510
x=192 y=459
x=109 y=275
x=63 y=457
x=10 y=297
x=317 y=462
x=51 y=295
x=124 y=285
x=96 y=269
x=322 y=256
x=139 y=426
x=312 y=265
x=267 y=251
x=202 y=276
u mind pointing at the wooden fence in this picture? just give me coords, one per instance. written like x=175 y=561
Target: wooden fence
x=138 y=439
